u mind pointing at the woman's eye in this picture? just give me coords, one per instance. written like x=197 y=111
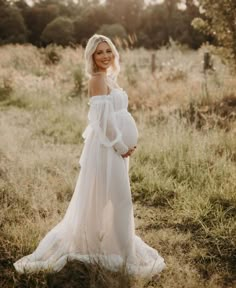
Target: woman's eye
x=100 y=52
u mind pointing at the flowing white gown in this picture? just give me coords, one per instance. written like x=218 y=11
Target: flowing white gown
x=99 y=223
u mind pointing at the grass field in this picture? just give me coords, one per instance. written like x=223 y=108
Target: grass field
x=183 y=174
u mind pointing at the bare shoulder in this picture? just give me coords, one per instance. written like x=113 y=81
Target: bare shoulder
x=97 y=85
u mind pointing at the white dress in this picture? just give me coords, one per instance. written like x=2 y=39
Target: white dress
x=99 y=223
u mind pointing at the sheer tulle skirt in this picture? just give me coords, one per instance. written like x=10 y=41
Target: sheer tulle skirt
x=98 y=224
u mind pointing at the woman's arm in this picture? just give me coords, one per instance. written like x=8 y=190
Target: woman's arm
x=102 y=117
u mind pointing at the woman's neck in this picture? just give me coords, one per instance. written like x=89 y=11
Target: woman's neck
x=100 y=73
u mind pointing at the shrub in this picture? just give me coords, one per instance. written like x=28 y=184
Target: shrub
x=12 y=26
x=60 y=31
x=113 y=31
x=79 y=79
x=51 y=55
x=5 y=89
x=218 y=21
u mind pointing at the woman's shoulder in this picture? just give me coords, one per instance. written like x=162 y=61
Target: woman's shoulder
x=97 y=85
x=97 y=79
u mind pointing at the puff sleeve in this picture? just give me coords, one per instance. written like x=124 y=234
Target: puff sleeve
x=102 y=121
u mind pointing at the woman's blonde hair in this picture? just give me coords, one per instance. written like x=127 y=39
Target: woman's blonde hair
x=91 y=46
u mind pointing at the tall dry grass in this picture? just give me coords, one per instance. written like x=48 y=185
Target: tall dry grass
x=183 y=175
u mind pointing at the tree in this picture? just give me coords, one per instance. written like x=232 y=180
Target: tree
x=60 y=31
x=113 y=31
x=220 y=22
x=67 y=8
x=12 y=25
x=21 y=4
x=37 y=18
x=126 y=12
x=90 y=21
x=189 y=35
x=3 y=3
x=158 y=23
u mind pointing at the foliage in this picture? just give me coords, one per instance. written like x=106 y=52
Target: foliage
x=127 y=13
x=12 y=26
x=51 y=55
x=182 y=173
x=59 y=31
x=37 y=18
x=219 y=22
x=153 y=33
x=90 y=21
x=190 y=36
x=113 y=31
x=151 y=24
x=79 y=81
x=5 y=89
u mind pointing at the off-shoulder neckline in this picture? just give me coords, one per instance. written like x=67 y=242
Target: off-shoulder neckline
x=104 y=96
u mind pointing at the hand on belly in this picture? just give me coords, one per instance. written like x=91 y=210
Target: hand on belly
x=129 y=131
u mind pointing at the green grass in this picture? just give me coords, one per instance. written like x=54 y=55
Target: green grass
x=183 y=174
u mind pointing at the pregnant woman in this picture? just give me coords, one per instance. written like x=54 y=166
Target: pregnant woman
x=99 y=222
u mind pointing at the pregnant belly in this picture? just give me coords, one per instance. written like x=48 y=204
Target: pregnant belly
x=128 y=128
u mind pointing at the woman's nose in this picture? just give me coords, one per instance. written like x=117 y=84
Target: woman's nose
x=106 y=55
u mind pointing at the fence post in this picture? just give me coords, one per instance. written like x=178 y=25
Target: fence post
x=207 y=62
x=153 y=63
x=207 y=65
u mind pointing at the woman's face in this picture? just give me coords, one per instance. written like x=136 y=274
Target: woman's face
x=103 y=56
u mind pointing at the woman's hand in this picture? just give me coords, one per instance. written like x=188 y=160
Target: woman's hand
x=127 y=154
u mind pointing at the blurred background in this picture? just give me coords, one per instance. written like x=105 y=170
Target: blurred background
x=178 y=61
x=149 y=24
x=130 y=23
